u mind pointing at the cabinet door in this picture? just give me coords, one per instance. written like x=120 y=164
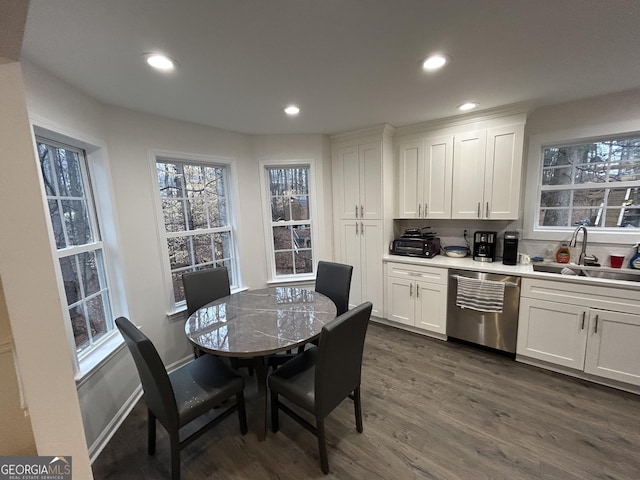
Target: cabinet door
x=370 y=202
x=437 y=172
x=350 y=239
x=410 y=163
x=347 y=182
x=613 y=346
x=553 y=332
x=503 y=172
x=468 y=175
x=372 y=272
x=430 y=311
x=400 y=300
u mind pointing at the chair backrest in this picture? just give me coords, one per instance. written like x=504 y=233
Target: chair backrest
x=339 y=362
x=334 y=281
x=158 y=392
x=205 y=286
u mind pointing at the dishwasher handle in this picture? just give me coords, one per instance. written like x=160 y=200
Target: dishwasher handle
x=506 y=284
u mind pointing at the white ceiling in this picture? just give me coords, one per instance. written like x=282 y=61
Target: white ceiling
x=347 y=63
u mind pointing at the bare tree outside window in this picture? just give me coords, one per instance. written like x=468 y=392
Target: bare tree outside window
x=595 y=184
x=290 y=219
x=78 y=245
x=197 y=223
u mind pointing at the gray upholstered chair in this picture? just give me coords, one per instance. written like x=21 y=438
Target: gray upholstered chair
x=320 y=378
x=334 y=281
x=205 y=286
x=177 y=398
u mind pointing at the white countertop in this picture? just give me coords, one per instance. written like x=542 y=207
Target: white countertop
x=467 y=263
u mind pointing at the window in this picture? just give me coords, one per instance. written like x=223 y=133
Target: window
x=197 y=229
x=79 y=247
x=289 y=222
x=596 y=184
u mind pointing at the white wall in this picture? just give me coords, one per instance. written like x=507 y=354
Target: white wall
x=30 y=288
x=127 y=139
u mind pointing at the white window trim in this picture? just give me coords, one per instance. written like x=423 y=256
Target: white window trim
x=534 y=174
x=87 y=363
x=314 y=219
x=175 y=310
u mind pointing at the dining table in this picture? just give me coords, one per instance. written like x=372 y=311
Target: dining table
x=257 y=324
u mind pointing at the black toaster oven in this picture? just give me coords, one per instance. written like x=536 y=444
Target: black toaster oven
x=416 y=247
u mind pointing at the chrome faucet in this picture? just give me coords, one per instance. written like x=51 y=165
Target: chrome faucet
x=584 y=259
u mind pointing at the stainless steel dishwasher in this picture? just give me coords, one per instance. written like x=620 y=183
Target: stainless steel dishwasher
x=491 y=329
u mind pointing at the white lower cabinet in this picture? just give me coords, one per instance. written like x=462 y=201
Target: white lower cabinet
x=613 y=346
x=570 y=325
x=360 y=244
x=417 y=296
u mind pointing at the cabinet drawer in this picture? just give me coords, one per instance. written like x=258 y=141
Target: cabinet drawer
x=417 y=272
x=608 y=298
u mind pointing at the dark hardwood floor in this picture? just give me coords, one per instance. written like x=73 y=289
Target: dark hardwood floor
x=432 y=410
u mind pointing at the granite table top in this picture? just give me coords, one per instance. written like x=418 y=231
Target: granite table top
x=260 y=322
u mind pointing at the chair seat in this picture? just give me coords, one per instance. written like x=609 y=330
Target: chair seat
x=200 y=382
x=296 y=379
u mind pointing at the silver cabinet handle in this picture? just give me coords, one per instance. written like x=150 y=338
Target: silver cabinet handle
x=356 y=228
x=419 y=211
x=478 y=209
x=361 y=228
x=426 y=210
x=411 y=290
x=583 y=315
x=361 y=211
x=487 y=209
x=356 y=211
x=417 y=290
x=595 y=330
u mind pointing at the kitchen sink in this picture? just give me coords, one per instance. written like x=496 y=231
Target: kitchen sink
x=584 y=271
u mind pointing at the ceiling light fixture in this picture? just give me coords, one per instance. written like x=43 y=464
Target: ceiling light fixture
x=292 y=110
x=160 y=62
x=435 y=62
x=467 y=106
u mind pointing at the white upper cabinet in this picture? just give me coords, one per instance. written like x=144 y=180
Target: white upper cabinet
x=462 y=173
x=424 y=178
x=487 y=168
x=359 y=178
x=468 y=174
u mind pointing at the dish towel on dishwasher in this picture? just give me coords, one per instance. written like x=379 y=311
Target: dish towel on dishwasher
x=480 y=295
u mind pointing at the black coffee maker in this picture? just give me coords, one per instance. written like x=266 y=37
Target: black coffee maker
x=484 y=246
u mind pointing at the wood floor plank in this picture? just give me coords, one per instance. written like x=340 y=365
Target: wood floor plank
x=432 y=410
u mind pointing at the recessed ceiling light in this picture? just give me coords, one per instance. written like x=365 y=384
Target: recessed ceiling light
x=160 y=62
x=435 y=62
x=467 y=106
x=292 y=110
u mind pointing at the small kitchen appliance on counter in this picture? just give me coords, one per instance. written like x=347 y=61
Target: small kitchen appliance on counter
x=510 y=250
x=417 y=242
x=484 y=246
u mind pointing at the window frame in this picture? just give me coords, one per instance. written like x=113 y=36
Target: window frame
x=313 y=221
x=533 y=190
x=229 y=165
x=97 y=181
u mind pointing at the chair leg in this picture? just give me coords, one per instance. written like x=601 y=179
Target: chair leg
x=242 y=412
x=275 y=414
x=322 y=446
x=174 y=440
x=358 y=409
x=151 y=433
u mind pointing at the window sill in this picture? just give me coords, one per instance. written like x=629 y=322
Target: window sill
x=90 y=364
x=307 y=279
